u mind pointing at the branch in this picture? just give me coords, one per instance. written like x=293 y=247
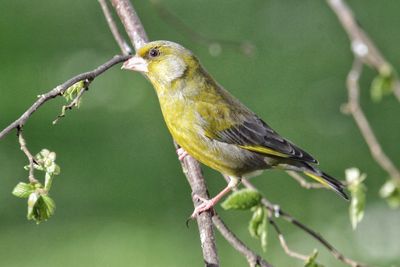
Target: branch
x=279 y=213
x=365 y=52
x=123 y=45
x=361 y=45
x=353 y=107
x=192 y=171
x=131 y=22
x=190 y=166
x=59 y=90
x=284 y=245
x=236 y=243
x=29 y=155
x=303 y=182
x=75 y=102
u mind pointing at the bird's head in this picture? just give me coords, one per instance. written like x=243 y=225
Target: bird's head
x=162 y=61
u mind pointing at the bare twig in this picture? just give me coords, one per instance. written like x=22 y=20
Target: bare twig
x=253 y=258
x=75 y=102
x=131 y=21
x=29 y=155
x=279 y=213
x=362 y=46
x=284 y=245
x=353 y=107
x=303 y=182
x=123 y=45
x=90 y=75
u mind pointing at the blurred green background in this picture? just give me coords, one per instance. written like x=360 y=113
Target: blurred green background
x=121 y=198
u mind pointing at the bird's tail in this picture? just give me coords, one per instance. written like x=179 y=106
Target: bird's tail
x=326 y=180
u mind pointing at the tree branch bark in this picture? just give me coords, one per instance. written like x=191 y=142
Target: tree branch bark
x=353 y=107
x=366 y=52
x=253 y=258
x=361 y=45
x=123 y=45
x=59 y=90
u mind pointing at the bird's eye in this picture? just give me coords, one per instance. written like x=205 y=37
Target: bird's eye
x=154 y=52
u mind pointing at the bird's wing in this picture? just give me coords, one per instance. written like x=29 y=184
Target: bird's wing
x=255 y=135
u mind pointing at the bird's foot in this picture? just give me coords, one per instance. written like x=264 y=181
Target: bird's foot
x=181 y=153
x=204 y=206
x=209 y=203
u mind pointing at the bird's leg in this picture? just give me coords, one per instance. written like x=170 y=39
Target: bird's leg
x=209 y=203
x=181 y=153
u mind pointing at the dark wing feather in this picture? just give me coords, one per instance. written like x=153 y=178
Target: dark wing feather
x=254 y=134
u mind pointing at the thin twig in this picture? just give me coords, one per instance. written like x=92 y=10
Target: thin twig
x=284 y=245
x=60 y=89
x=303 y=182
x=362 y=46
x=31 y=158
x=253 y=258
x=75 y=102
x=131 y=21
x=279 y=213
x=353 y=107
x=123 y=45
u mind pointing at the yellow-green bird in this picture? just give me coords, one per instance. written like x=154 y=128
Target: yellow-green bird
x=212 y=126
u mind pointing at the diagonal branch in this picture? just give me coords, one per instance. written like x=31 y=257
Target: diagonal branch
x=279 y=213
x=131 y=21
x=59 y=90
x=284 y=245
x=253 y=258
x=361 y=45
x=303 y=182
x=123 y=45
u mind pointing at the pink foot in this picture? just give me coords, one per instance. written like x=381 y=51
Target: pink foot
x=204 y=206
x=181 y=153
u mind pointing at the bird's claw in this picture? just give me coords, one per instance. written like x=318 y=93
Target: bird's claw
x=204 y=206
x=181 y=153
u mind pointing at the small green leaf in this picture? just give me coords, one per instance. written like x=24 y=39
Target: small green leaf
x=49 y=205
x=256 y=221
x=312 y=260
x=23 y=190
x=358 y=195
x=73 y=90
x=32 y=202
x=382 y=85
x=40 y=207
x=243 y=199
x=390 y=191
x=258 y=225
x=264 y=234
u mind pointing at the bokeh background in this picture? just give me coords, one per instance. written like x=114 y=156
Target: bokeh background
x=121 y=198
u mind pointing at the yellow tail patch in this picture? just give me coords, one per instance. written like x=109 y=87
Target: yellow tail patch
x=317 y=178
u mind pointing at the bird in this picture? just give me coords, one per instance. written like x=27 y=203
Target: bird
x=215 y=128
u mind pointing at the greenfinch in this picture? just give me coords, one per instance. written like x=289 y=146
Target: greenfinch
x=212 y=126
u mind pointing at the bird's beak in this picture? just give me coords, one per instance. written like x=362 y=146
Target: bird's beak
x=135 y=63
